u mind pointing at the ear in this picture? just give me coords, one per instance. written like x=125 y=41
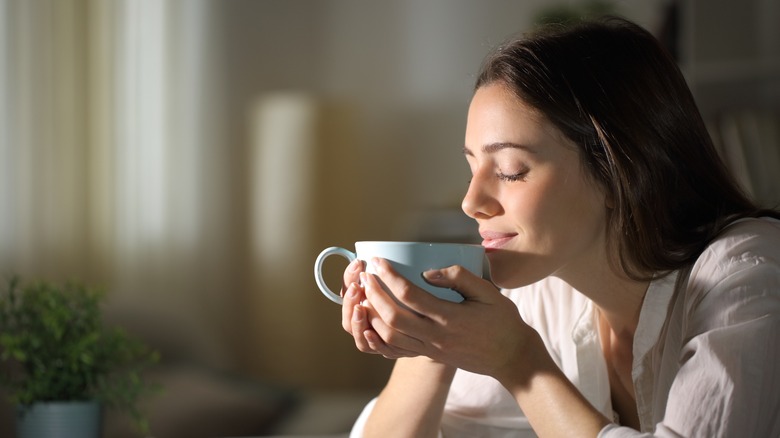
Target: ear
x=609 y=202
x=609 y=199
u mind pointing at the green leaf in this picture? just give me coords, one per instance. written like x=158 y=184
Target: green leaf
x=54 y=338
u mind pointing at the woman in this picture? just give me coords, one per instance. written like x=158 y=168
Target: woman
x=641 y=288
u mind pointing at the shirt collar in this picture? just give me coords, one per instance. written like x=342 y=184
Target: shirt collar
x=652 y=316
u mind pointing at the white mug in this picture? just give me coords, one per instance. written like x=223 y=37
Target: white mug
x=410 y=259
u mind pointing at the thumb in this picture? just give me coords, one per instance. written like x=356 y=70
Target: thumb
x=465 y=282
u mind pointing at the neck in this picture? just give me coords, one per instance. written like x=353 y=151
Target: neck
x=620 y=306
x=618 y=298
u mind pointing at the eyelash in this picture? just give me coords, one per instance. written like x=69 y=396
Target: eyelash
x=513 y=177
x=520 y=176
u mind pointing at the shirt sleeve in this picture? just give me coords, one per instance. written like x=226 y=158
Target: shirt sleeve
x=360 y=423
x=616 y=431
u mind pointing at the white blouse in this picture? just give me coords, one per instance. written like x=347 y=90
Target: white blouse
x=706 y=350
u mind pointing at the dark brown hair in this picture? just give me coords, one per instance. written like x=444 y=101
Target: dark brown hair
x=612 y=89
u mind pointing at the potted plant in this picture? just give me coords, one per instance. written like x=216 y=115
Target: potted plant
x=60 y=361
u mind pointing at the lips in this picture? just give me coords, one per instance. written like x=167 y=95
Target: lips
x=495 y=239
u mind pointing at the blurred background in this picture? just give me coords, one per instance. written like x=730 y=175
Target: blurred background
x=194 y=156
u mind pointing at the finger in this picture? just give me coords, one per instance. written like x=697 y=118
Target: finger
x=367 y=340
x=406 y=292
x=352 y=297
x=377 y=341
x=351 y=274
x=389 y=311
x=359 y=326
x=387 y=351
x=460 y=279
x=399 y=342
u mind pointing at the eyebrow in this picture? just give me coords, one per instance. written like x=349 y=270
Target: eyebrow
x=491 y=148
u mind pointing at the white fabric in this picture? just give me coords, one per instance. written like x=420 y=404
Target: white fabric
x=705 y=352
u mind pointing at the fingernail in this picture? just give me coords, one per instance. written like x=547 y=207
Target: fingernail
x=363 y=279
x=354 y=266
x=357 y=313
x=352 y=290
x=433 y=274
x=376 y=262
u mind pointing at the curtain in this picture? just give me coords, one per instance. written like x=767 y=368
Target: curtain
x=125 y=164
x=43 y=169
x=748 y=138
x=109 y=173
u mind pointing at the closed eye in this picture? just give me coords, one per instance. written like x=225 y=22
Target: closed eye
x=520 y=176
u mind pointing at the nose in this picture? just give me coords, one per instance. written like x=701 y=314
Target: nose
x=480 y=201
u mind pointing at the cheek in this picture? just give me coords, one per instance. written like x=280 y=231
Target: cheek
x=587 y=206
x=556 y=224
x=535 y=212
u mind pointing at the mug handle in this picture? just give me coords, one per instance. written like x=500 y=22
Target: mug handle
x=327 y=252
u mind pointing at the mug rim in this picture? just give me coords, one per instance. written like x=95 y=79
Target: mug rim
x=417 y=243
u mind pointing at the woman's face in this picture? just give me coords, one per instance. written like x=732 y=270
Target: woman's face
x=539 y=214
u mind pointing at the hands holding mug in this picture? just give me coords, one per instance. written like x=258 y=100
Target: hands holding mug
x=389 y=314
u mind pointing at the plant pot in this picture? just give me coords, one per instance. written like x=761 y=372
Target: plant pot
x=59 y=420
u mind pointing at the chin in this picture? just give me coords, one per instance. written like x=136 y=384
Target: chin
x=509 y=282
x=510 y=270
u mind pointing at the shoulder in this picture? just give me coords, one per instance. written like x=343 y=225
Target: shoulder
x=750 y=233
x=744 y=245
x=737 y=277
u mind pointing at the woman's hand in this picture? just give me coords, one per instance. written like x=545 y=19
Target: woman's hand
x=412 y=403
x=483 y=334
x=351 y=292
x=357 y=316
